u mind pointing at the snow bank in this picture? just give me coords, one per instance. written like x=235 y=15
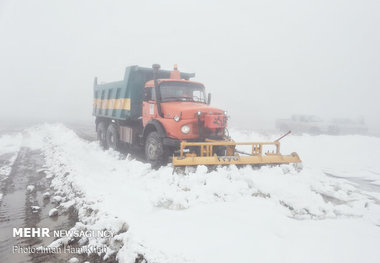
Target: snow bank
x=53 y=212
x=10 y=143
x=227 y=215
x=342 y=156
x=30 y=188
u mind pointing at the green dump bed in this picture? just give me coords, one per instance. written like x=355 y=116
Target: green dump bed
x=123 y=99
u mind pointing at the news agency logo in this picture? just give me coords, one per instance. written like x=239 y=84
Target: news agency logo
x=31 y=232
x=45 y=232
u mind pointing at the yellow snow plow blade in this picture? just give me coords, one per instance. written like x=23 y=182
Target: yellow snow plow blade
x=255 y=157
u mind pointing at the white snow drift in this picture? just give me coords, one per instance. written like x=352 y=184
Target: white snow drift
x=226 y=215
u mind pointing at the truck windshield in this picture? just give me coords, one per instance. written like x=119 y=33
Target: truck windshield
x=182 y=91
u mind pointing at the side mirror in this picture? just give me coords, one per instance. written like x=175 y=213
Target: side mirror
x=209 y=99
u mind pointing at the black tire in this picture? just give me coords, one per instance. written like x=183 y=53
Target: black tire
x=101 y=130
x=112 y=137
x=155 y=152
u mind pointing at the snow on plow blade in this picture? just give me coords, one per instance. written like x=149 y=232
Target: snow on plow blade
x=207 y=156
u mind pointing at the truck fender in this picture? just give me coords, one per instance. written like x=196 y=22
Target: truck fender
x=154 y=125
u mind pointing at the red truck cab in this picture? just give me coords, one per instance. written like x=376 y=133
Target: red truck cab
x=182 y=108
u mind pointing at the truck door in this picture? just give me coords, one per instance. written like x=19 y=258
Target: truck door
x=149 y=105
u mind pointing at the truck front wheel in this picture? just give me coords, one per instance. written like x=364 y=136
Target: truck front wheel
x=155 y=152
x=101 y=130
x=112 y=137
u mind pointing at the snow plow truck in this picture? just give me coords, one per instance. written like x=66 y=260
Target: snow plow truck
x=169 y=117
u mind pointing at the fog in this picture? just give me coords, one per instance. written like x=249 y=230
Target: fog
x=261 y=60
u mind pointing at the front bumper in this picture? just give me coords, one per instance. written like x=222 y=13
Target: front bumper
x=171 y=142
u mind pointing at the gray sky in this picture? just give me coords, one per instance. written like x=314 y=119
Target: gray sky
x=260 y=59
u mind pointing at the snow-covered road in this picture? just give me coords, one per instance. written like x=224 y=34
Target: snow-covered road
x=227 y=215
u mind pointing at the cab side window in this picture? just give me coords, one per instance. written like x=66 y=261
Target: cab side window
x=149 y=94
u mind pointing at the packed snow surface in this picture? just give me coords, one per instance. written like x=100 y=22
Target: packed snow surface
x=9 y=146
x=329 y=212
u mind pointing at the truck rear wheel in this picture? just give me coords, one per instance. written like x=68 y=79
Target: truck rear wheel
x=101 y=134
x=112 y=137
x=155 y=152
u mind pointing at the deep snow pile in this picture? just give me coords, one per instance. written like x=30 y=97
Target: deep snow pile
x=342 y=156
x=227 y=215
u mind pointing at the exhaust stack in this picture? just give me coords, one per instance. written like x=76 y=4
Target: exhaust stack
x=156 y=68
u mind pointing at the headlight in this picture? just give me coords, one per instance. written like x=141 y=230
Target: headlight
x=185 y=129
x=176 y=118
